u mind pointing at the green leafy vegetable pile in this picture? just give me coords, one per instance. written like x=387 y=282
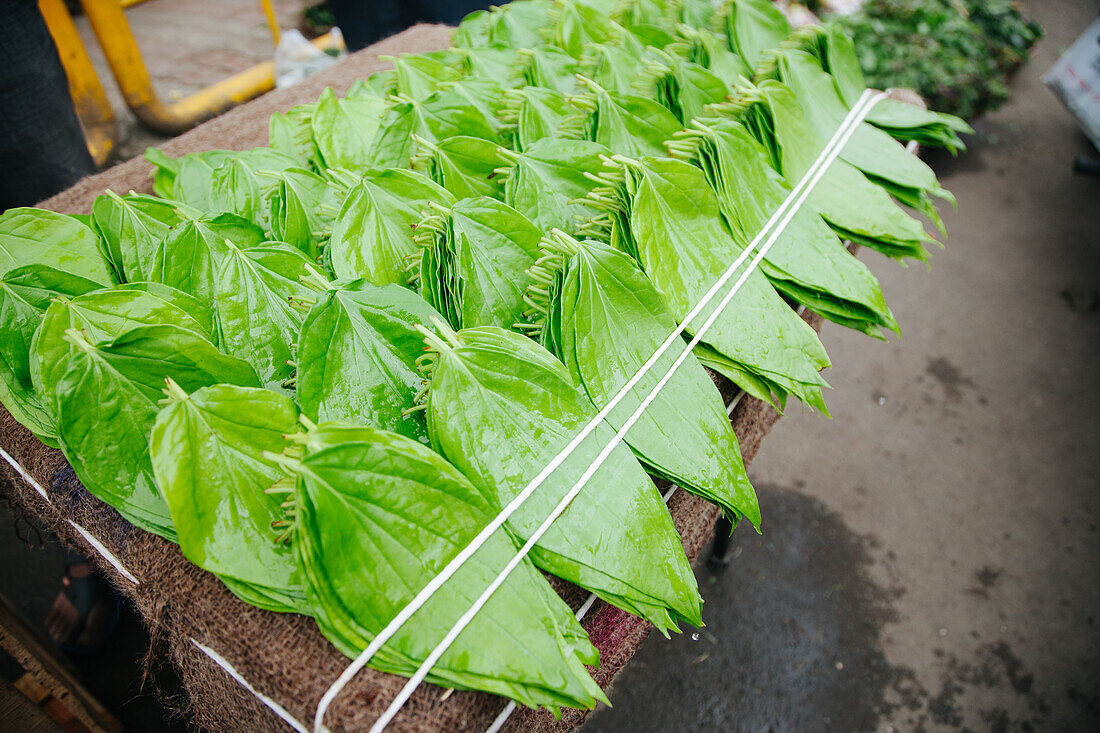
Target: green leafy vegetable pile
x=324 y=366
x=957 y=54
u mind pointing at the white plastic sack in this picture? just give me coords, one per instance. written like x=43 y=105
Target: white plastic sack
x=1075 y=78
x=296 y=58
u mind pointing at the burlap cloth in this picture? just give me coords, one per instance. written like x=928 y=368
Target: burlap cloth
x=284 y=656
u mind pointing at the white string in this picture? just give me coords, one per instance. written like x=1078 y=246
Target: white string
x=510 y=708
x=102 y=550
x=795 y=199
x=26 y=476
x=95 y=543
x=275 y=707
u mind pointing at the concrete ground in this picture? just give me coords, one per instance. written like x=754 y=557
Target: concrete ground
x=929 y=556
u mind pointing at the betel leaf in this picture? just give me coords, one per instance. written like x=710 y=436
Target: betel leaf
x=663 y=213
x=372 y=236
x=709 y=50
x=547 y=182
x=25 y=294
x=188 y=256
x=547 y=67
x=872 y=151
x=500 y=407
x=291 y=134
x=465 y=166
x=472 y=31
x=103 y=315
x=132 y=227
x=854 y=206
x=614 y=66
x=344 y=130
x=807 y=262
x=519 y=25
x=752 y=27
x=418 y=74
x=627 y=124
x=495 y=63
x=357 y=357
x=107 y=402
x=695 y=447
x=575 y=24
x=362 y=570
x=443 y=114
x=206 y=451
x=485 y=95
x=836 y=53
x=683 y=87
x=256 y=320
x=474 y=265
x=303 y=206
x=40 y=237
x=533 y=113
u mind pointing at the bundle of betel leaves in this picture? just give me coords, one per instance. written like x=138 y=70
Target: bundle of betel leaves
x=324 y=366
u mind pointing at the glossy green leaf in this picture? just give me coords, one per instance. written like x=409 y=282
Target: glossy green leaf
x=547 y=181
x=549 y=67
x=807 y=263
x=103 y=315
x=576 y=24
x=519 y=25
x=25 y=294
x=344 y=130
x=666 y=216
x=372 y=236
x=302 y=210
x=500 y=407
x=419 y=74
x=206 y=451
x=132 y=227
x=292 y=134
x=188 y=256
x=256 y=320
x=753 y=27
x=627 y=124
x=441 y=115
x=534 y=113
x=404 y=514
x=694 y=448
x=40 y=237
x=475 y=260
x=357 y=357
x=107 y=402
x=465 y=166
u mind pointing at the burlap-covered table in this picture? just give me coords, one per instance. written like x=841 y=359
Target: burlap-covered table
x=283 y=657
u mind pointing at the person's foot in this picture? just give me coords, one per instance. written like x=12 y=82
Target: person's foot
x=80 y=617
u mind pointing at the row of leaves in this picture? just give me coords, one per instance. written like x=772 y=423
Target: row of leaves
x=371 y=335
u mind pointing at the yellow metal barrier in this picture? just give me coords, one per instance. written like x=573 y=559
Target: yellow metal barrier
x=109 y=24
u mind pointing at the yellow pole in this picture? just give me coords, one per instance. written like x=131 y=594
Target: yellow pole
x=90 y=101
x=273 y=24
x=109 y=24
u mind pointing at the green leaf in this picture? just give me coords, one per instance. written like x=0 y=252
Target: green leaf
x=694 y=448
x=575 y=25
x=627 y=124
x=475 y=261
x=547 y=181
x=500 y=407
x=40 y=237
x=519 y=25
x=256 y=320
x=206 y=453
x=132 y=227
x=344 y=130
x=753 y=27
x=807 y=262
x=188 y=256
x=465 y=166
x=292 y=134
x=357 y=357
x=534 y=113
x=495 y=63
x=441 y=115
x=419 y=74
x=549 y=67
x=372 y=236
x=300 y=210
x=102 y=316
x=362 y=570
x=107 y=402
x=667 y=217
x=25 y=293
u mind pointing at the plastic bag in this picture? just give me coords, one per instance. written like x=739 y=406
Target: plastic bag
x=296 y=58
